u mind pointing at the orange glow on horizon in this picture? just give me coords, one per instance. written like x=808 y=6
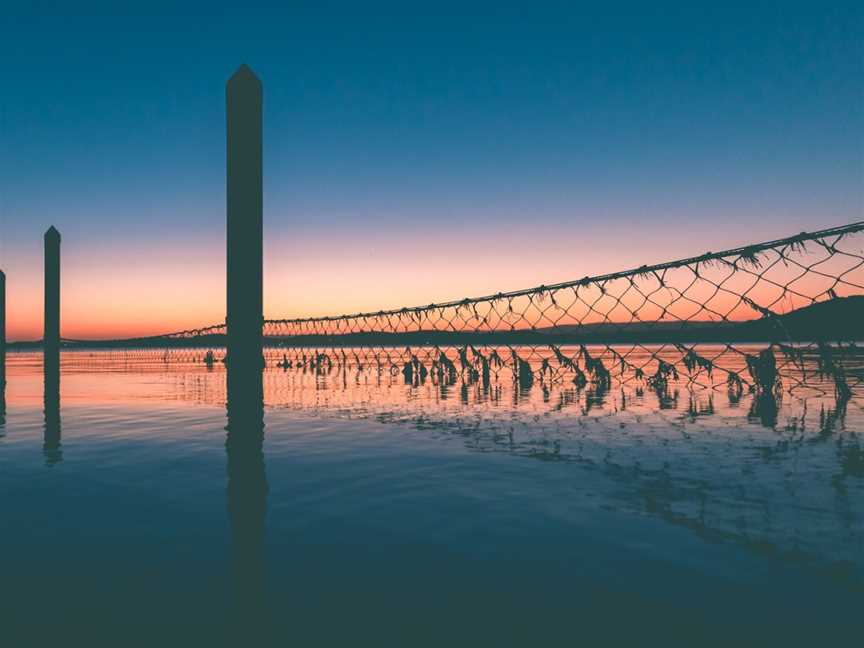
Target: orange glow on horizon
x=150 y=292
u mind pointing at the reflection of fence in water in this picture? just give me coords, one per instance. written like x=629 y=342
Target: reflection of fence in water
x=792 y=484
x=726 y=468
x=740 y=369
x=369 y=382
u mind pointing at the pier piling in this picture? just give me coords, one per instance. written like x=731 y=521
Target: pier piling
x=2 y=335
x=245 y=311
x=51 y=335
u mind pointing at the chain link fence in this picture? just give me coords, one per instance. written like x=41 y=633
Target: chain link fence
x=764 y=318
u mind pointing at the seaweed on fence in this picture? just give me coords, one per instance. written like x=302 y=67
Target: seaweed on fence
x=763 y=371
x=468 y=367
x=496 y=360
x=579 y=378
x=828 y=366
x=522 y=372
x=596 y=369
x=546 y=368
x=665 y=373
x=734 y=387
x=693 y=360
x=414 y=371
x=443 y=368
x=483 y=362
x=563 y=360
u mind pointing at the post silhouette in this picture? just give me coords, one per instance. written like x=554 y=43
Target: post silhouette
x=2 y=335
x=244 y=318
x=51 y=348
x=2 y=349
x=51 y=334
x=245 y=311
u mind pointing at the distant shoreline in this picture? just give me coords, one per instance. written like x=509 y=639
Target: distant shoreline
x=833 y=320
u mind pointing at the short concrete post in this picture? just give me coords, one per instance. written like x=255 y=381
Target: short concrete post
x=2 y=330
x=51 y=335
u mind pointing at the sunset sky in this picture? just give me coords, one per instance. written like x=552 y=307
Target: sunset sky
x=412 y=153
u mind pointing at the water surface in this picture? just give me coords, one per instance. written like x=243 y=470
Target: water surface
x=383 y=513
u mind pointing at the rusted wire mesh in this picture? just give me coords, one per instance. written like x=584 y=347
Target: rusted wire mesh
x=784 y=314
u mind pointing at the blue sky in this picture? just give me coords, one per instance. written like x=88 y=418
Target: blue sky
x=577 y=138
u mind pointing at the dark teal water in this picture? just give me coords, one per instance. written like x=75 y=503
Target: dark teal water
x=389 y=515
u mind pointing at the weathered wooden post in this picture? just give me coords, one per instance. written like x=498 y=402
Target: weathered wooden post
x=51 y=335
x=245 y=310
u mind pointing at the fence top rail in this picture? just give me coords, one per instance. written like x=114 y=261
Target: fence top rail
x=746 y=253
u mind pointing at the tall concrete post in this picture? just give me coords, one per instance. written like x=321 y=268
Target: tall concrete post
x=51 y=347
x=245 y=281
x=51 y=335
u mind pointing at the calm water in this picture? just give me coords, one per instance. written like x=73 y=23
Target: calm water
x=380 y=513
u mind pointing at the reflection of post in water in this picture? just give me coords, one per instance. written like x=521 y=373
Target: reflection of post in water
x=51 y=443
x=247 y=488
x=764 y=408
x=2 y=393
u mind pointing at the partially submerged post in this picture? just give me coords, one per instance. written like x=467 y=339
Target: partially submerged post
x=51 y=347
x=2 y=337
x=2 y=311
x=245 y=295
x=244 y=318
x=51 y=335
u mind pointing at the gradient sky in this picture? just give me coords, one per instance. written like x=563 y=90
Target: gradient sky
x=413 y=153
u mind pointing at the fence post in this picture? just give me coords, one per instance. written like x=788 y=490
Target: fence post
x=244 y=191
x=51 y=335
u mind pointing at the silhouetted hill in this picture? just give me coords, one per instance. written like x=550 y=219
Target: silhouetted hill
x=835 y=319
x=841 y=318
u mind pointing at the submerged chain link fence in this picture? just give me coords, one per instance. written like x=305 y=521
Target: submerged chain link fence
x=764 y=318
